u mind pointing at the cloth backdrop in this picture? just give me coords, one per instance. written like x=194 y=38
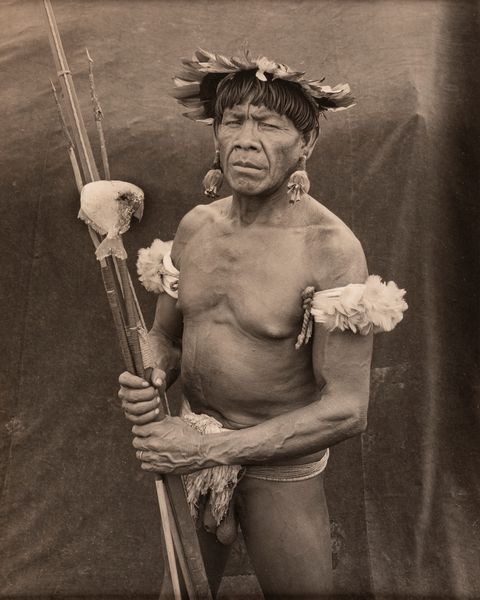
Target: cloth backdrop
x=78 y=516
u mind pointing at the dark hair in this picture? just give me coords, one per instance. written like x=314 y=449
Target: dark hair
x=284 y=97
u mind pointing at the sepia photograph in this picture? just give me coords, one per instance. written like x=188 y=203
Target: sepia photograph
x=240 y=297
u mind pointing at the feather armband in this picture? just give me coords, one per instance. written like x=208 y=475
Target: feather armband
x=360 y=307
x=156 y=270
x=373 y=306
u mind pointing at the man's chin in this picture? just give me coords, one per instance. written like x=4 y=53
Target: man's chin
x=249 y=188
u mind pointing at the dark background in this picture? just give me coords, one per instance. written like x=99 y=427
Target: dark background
x=401 y=168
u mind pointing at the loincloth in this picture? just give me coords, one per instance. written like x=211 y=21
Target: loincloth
x=220 y=482
x=288 y=473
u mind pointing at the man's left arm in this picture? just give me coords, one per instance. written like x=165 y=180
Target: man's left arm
x=339 y=412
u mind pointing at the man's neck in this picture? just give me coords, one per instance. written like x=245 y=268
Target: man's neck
x=263 y=210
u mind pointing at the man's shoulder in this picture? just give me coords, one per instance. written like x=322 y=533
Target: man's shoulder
x=200 y=215
x=327 y=231
x=333 y=245
x=193 y=221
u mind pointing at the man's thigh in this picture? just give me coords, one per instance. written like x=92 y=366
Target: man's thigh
x=287 y=532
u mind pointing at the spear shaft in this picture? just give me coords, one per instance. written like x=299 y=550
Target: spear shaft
x=187 y=548
x=98 y=113
x=87 y=161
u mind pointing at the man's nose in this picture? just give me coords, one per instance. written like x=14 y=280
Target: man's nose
x=247 y=138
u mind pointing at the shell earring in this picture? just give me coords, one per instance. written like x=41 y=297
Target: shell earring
x=212 y=182
x=299 y=183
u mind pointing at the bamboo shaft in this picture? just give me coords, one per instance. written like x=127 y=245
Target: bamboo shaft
x=187 y=578
x=68 y=141
x=113 y=300
x=87 y=161
x=131 y=320
x=164 y=514
x=132 y=335
x=189 y=552
x=98 y=114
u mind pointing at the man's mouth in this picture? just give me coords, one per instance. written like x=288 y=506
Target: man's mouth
x=245 y=164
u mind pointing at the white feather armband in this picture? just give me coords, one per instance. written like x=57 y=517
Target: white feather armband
x=360 y=307
x=156 y=270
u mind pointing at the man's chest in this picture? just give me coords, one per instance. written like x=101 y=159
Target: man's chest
x=255 y=278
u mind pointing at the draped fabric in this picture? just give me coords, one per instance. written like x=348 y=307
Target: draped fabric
x=401 y=168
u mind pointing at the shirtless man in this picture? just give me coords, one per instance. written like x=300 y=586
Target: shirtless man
x=244 y=262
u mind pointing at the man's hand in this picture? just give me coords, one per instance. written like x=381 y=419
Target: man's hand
x=140 y=399
x=169 y=446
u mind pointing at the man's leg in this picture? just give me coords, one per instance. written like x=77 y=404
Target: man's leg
x=215 y=556
x=287 y=532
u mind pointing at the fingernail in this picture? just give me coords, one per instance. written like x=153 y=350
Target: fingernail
x=157 y=410
x=145 y=383
x=158 y=400
x=158 y=381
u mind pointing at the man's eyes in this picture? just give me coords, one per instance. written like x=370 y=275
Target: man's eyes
x=262 y=124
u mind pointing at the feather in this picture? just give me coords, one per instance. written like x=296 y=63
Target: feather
x=360 y=308
x=204 y=64
x=197 y=114
x=150 y=265
x=203 y=55
x=186 y=87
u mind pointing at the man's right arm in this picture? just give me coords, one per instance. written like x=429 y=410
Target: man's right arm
x=166 y=333
x=165 y=338
x=140 y=400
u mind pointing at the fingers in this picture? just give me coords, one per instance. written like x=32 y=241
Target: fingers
x=152 y=461
x=137 y=395
x=145 y=455
x=132 y=381
x=143 y=419
x=141 y=432
x=141 y=442
x=158 y=378
x=141 y=408
x=148 y=467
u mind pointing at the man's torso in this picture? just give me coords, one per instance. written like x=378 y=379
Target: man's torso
x=240 y=295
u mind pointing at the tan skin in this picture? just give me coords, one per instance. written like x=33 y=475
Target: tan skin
x=244 y=261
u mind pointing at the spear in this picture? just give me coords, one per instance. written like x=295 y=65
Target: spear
x=98 y=113
x=178 y=531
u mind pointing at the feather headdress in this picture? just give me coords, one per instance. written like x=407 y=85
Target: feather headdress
x=196 y=86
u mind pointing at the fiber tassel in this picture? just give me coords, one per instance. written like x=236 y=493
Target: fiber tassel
x=307 y=324
x=299 y=183
x=220 y=481
x=212 y=182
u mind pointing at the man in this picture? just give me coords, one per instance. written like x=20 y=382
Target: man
x=244 y=262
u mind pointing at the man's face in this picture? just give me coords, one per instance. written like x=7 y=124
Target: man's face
x=259 y=149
